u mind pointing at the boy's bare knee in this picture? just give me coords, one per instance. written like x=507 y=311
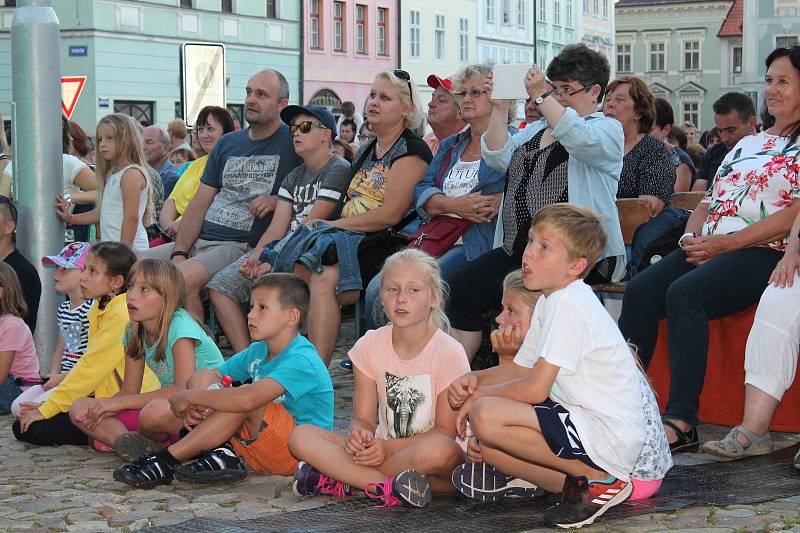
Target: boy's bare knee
x=299 y=437
x=482 y=419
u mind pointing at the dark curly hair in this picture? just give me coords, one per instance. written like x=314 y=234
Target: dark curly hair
x=644 y=103
x=578 y=62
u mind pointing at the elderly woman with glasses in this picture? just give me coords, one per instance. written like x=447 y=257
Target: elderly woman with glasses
x=573 y=154
x=459 y=183
x=385 y=171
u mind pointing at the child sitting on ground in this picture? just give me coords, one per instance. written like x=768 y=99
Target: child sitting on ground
x=290 y=386
x=402 y=371
x=166 y=339
x=18 y=362
x=73 y=322
x=515 y=318
x=587 y=429
x=100 y=371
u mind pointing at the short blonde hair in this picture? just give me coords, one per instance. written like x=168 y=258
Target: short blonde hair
x=408 y=95
x=578 y=227
x=513 y=283
x=177 y=127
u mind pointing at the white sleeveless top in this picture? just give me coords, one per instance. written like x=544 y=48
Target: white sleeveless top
x=111 y=210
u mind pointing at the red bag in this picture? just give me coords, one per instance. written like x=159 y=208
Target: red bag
x=439 y=233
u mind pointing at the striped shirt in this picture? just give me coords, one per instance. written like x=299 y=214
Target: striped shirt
x=73 y=326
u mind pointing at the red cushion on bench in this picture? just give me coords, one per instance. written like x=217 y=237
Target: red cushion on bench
x=722 y=399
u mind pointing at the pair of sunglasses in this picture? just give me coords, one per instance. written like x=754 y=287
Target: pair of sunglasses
x=403 y=75
x=306 y=126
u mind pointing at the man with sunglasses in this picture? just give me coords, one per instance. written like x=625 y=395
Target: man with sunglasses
x=26 y=272
x=238 y=190
x=311 y=191
x=444 y=115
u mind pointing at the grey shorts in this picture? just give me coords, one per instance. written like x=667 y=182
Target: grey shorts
x=213 y=255
x=231 y=283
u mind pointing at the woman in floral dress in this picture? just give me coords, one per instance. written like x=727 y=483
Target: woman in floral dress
x=733 y=241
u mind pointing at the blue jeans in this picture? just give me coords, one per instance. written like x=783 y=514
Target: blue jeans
x=450 y=263
x=8 y=393
x=668 y=219
x=690 y=296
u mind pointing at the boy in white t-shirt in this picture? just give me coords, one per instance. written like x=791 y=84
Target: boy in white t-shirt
x=568 y=415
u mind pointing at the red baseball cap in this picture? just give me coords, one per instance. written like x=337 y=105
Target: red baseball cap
x=435 y=81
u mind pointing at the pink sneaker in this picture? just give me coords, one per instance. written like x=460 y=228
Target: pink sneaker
x=100 y=446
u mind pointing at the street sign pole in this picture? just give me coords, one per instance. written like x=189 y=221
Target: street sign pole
x=36 y=93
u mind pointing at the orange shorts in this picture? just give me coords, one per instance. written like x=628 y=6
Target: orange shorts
x=269 y=452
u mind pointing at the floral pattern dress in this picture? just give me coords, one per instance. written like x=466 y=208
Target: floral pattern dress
x=757 y=178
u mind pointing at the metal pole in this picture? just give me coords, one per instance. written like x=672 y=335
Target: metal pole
x=36 y=91
x=535 y=42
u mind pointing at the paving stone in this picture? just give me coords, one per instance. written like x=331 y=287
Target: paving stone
x=55 y=522
x=311 y=503
x=123 y=519
x=165 y=519
x=97 y=525
x=284 y=502
x=83 y=516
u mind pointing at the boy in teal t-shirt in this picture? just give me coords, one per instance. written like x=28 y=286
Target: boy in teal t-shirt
x=289 y=388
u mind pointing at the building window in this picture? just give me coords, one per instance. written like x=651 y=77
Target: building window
x=463 y=40
x=414 y=33
x=737 y=60
x=657 y=57
x=595 y=8
x=490 y=10
x=568 y=13
x=785 y=41
x=585 y=8
x=506 y=12
x=439 y=37
x=338 y=26
x=624 y=58
x=521 y=12
x=557 y=12
x=605 y=9
x=142 y=112
x=227 y=6
x=691 y=55
x=361 y=29
x=382 y=38
x=542 y=10
x=184 y=3
x=272 y=9
x=316 y=40
x=237 y=112
x=691 y=112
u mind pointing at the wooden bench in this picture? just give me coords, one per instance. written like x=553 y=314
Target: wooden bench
x=633 y=212
x=686 y=200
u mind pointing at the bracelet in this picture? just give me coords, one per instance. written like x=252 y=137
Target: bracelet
x=689 y=234
x=181 y=253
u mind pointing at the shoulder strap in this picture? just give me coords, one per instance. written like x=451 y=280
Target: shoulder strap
x=445 y=163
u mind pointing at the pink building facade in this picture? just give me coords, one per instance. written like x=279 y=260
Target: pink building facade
x=346 y=43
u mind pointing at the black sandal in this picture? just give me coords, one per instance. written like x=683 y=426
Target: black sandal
x=687 y=442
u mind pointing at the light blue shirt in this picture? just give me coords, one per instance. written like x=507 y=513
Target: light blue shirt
x=298 y=369
x=596 y=146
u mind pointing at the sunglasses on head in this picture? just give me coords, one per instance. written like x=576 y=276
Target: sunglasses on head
x=306 y=126
x=403 y=75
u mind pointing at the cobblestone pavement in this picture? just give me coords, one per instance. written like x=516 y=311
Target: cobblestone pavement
x=70 y=488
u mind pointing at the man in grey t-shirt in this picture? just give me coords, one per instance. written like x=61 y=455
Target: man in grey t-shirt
x=238 y=190
x=310 y=191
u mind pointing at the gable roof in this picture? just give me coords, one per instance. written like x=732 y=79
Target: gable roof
x=732 y=25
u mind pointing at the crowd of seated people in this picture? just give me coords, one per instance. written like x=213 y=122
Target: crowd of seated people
x=282 y=223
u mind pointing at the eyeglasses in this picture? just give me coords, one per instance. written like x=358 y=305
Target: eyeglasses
x=11 y=207
x=403 y=75
x=474 y=94
x=306 y=126
x=566 y=92
x=365 y=138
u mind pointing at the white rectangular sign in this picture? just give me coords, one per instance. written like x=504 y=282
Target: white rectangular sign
x=202 y=78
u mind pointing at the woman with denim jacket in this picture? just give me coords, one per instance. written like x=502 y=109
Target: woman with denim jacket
x=573 y=154
x=458 y=183
x=379 y=195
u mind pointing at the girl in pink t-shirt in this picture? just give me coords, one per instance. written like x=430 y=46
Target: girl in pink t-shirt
x=402 y=371
x=18 y=361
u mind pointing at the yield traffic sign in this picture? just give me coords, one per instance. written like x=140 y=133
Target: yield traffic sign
x=71 y=88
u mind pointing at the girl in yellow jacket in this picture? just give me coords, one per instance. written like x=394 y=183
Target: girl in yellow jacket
x=102 y=368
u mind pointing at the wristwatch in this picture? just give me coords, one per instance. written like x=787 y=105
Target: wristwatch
x=539 y=99
x=689 y=234
x=181 y=253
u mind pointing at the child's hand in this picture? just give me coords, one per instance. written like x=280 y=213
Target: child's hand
x=95 y=413
x=463 y=417
x=27 y=406
x=179 y=403
x=506 y=340
x=28 y=417
x=461 y=389
x=194 y=415
x=62 y=208
x=357 y=440
x=374 y=454
x=474 y=450
x=53 y=380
